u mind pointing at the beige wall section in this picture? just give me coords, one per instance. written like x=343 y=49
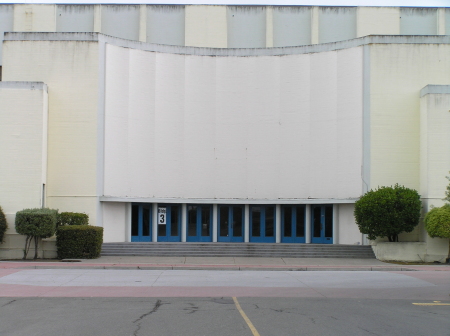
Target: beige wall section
x=35 y=18
x=22 y=146
x=377 y=21
x=434 y=145
x=206 y=26
x=70 y=69
x=398 y=72
x=114 y=218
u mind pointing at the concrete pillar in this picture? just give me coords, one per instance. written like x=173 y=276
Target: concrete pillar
x=247 y=223
x=315 y=25
x=183 y=222
x=308 y=224
x=143 y=23
x=154 y=222
x=214 y=223
x=441 y=21
x=128 y=222
x=269 y=27
x=97 y=18
x=278 y=223
x=335 y=223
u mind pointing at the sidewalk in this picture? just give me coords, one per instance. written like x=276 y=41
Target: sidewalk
x=222 y=263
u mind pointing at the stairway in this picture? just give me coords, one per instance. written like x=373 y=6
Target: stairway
x=237 y=250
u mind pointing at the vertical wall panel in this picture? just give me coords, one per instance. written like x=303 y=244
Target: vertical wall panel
x=121 y=21
x=206 y=26
x=337 y=24
x=246 y=26
x=74 y=18
x=6 y=23
x=418 y=21
x=378 y=21
x=447 y=21
x=291 y=26
x=165 y=24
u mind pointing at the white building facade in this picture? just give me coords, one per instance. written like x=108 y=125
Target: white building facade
x=232 y=124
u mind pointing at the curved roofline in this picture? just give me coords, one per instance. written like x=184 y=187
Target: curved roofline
x=237 y=52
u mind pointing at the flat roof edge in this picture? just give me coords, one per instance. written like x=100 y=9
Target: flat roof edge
x=201 y=51
x=24 y=85
x=435 y=89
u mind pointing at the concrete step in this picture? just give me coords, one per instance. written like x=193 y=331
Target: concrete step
x=238 y=250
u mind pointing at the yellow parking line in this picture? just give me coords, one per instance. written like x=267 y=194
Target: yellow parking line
x=246 y=319
x=431 y=304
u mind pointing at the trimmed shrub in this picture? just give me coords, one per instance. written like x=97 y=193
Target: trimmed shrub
x=3 y=225
x=437 y=224
x=387 y=212
x=35 y=224
x=79 y=241
x=72 y=218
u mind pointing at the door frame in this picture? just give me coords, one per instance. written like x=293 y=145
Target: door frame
x=230 y=238
x=199 y=220
x=294 y=216
x=262 y=238
x=168 y=237
x=323 y=239
x=140 y=225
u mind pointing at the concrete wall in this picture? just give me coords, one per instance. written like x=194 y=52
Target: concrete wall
x=165 y=25
x=397 y=74
x=336 y=24
x=411 y=251
x=348 y=230
x=115 y=218
x=74 y=18
x=206 y=26
x=246 y=27
x=6 y=23
x=120 y=21
x=378 y=21
x=291 y=26
x=70 y=69
x=418 y=21
x=189 y=126
x=23 y=148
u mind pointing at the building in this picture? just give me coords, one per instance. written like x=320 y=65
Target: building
x=233 y=123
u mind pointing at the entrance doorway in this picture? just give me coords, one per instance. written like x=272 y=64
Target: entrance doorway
x=199 y=219
x=262 y=223
x=231 y=223
x=293 y=224
x=141 y=222
x=322 y=224
x=169 y=223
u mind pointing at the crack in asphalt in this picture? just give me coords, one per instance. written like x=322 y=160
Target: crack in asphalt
x=7 y=303
x=138 y=321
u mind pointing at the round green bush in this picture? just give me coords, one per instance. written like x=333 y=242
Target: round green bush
x=437 y=222
x=387 y=212
x=3 y=225
x=36 y=222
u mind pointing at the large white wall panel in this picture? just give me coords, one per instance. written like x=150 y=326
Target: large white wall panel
x=336 y=24
x=165 y=24
x=141 y=125
x=291 y=26
x=35 y=18
x=74 y=18
x=120 y=21
x=418 y=21
x=246 y=26
x=199 y=126
x=114 y=217
x=6 y=23
x=169 y=124
x=186 y=126
x=397 y=74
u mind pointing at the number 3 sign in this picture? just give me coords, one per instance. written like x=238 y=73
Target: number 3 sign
x=162 y=216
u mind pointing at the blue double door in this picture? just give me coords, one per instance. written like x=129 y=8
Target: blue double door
x=322 y=224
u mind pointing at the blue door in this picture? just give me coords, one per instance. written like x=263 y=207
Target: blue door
x=262 y=223
x=141 y=222
x=199 y=219
x=293 y=224
x=322 y=224
x=169 y=223
x=231 y=223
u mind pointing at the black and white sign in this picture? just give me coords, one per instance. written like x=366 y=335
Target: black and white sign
x=162 y=216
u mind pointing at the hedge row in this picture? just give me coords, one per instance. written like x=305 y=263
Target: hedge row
x=3 y=225
x=79 y=241
x=72 y=218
